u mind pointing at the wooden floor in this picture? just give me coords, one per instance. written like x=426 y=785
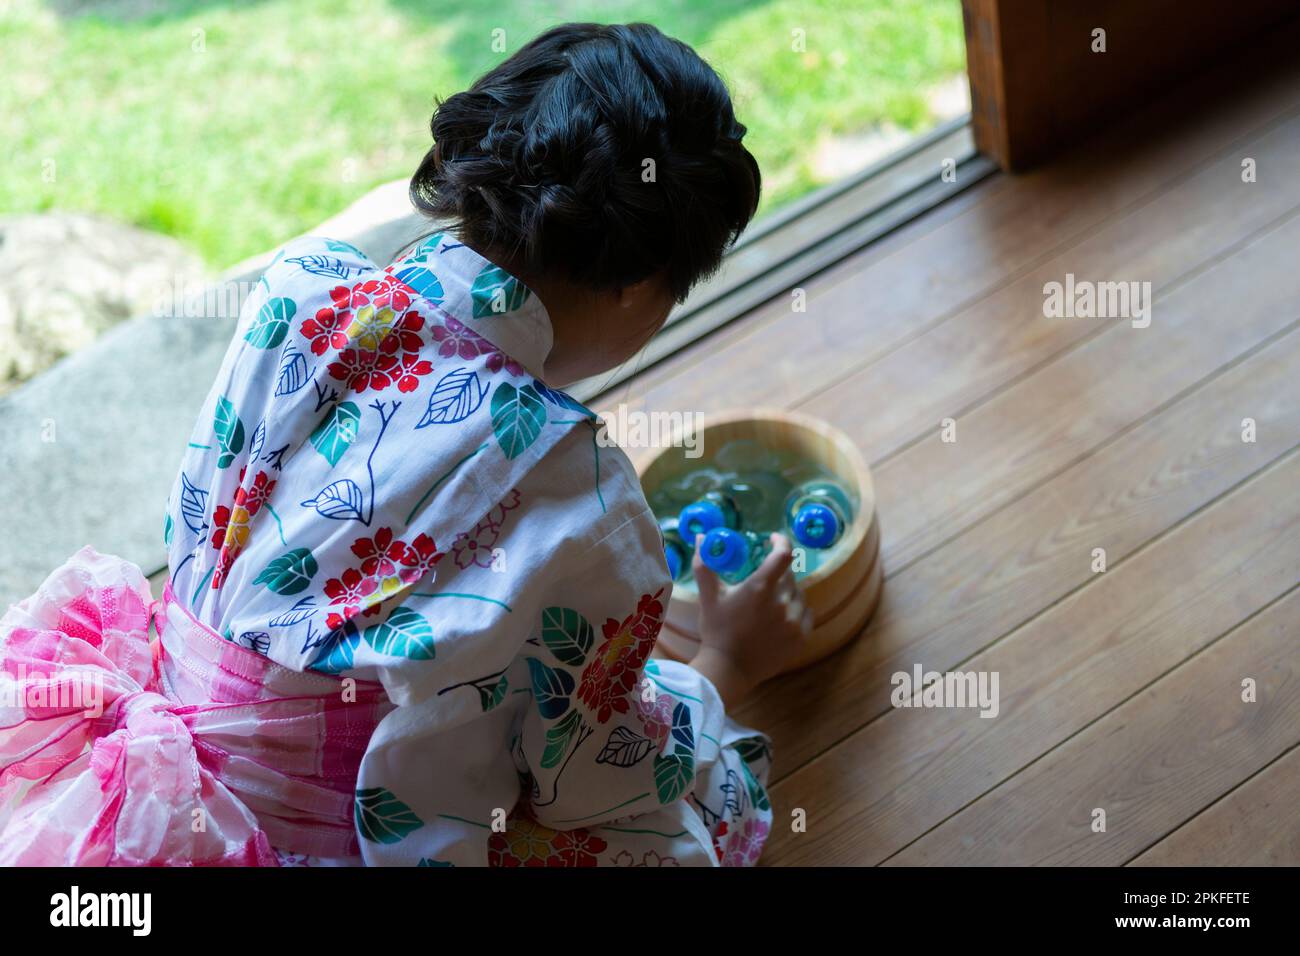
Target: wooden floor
x=1120 y=691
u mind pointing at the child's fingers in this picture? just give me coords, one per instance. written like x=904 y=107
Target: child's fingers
x=794 y=611
x=706 y=582
x=777 y=561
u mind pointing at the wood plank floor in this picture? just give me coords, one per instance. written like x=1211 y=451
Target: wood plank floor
x=1121 y=692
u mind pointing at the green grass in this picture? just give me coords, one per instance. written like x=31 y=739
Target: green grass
x=236 y=125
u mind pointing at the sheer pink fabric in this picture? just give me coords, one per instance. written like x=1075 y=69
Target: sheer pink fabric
x=188 y=751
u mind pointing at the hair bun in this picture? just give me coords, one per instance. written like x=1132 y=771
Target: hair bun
x=607 y=154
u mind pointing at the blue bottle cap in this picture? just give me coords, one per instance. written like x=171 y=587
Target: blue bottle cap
x=700 y=517
x=674 y=560
x=724 y=551
x=816 y=526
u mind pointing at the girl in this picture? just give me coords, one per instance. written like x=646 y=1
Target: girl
x=411 y=598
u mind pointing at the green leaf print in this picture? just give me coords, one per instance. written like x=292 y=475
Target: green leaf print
x=271 y=324
x=551 y=688
x=496 y=292
x=289 y=573
x=427 y=247
x=567 y=633
x=229 y=430
x=430 y=861
x=337 y=431
x=382 y=818
x=517 y=418
x=169 y=529
x=751 y=749
x=491 y=695
x=338 y=245
x=673 y=775
x=559 y=737
x=757 y=793
x=403 y=634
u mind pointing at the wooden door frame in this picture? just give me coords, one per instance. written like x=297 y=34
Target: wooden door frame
x=1038 y=84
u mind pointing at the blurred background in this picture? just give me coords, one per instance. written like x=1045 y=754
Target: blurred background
x=198 y=133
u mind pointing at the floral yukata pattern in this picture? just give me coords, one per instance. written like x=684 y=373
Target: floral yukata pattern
x=382 y=486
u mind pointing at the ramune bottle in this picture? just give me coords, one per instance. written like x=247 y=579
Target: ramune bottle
x=759 y=497
x=733 y=554
x=713 y=510
x=817 y=513
x=677 y=550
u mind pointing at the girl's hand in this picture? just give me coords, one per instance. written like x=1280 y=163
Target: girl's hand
x=753 y=630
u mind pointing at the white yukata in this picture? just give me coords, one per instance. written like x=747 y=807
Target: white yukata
x=381 y=486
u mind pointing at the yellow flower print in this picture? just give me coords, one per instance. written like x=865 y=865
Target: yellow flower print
x=370 y=326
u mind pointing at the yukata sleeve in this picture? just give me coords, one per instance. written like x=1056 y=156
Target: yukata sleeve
x=609 y=734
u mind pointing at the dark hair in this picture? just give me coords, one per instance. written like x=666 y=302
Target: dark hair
x=541 y=161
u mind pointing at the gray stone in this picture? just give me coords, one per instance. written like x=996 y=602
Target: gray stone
x=69 y=277
x=89 y=448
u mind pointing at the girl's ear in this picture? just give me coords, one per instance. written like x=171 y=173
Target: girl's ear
x=651 y=296
x=644 y=306
x=631 y=294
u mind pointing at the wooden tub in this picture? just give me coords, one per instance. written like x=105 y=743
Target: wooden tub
x=844 y=594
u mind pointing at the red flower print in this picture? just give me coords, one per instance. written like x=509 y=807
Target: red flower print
x=610 y=676
x=387 y=565
x=361 y=369
x=351 y=590
x=326 y=330
x=254 y=496
x=231 y=523
x=420 y=557
x=225 y=561
x=341 y=295
x=382 y=293
x=407 y=374
x=404 y=335
x=576 y=848
x=717 y=837
x=526 y=842
x=220 y=521
x=381 y=554
x=454 y=338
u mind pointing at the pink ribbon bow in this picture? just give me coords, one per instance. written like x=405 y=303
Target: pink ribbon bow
x=191 y=751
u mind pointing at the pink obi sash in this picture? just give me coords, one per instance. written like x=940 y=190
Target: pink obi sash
x=189 y=751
